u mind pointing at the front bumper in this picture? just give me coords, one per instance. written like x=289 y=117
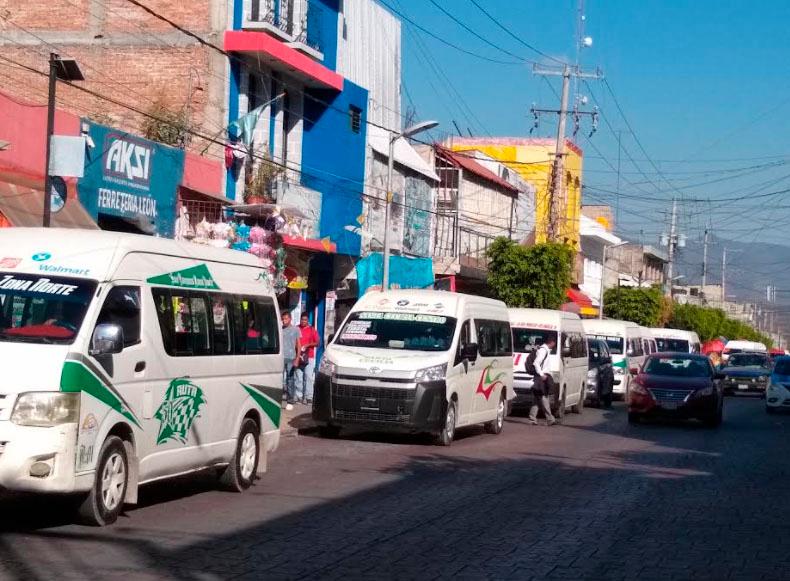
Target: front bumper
x=22 y=446
x=418 y=409
x=744 y=384
x=699 y=407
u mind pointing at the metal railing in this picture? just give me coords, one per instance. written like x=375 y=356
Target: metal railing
x=298 y=19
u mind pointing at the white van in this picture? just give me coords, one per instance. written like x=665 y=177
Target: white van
x=625 y=344
x=649 y=344
x=568 y=362
x=741 y=346
x=128 y=359
x=419 y=361
x=676 y=340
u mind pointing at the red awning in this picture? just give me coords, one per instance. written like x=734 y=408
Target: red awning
x=578 y=297
x=310 y=244
x=712 y=346
x=579 y=303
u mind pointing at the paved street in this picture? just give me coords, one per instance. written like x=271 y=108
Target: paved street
x=593 y=499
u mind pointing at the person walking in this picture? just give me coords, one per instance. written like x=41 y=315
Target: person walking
x=291 y=349
x=305 y=373
x=542 y=382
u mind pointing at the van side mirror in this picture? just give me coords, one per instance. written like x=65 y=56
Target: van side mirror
x=469 y=351
x=606 y=359
x=107 y=339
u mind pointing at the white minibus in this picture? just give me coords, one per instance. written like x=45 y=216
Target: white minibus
x=568 y=362
x=625 y=344
x=676 y=340
x=417 y=361
x=129 y=359
x=741 y=346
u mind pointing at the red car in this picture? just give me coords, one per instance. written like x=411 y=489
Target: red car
x=679 y=385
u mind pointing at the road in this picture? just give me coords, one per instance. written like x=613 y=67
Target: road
x=592 y=499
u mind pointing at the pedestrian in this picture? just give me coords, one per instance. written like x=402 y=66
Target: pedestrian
x=291 y=350
x=542 y=382
x=305 y=376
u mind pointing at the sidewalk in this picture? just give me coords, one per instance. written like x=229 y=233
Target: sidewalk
x=296 y=420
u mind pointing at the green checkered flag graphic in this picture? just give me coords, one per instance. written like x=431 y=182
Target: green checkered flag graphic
x=178 y=410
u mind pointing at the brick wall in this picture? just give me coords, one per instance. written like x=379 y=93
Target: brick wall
x=125 y=54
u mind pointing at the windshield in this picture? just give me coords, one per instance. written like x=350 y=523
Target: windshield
x=782 y=367
x=677 y=367
x=748 y=360
x=525 y=340
x=615 y=343
x=412 y=331
x=673 y=345
x=36 y=309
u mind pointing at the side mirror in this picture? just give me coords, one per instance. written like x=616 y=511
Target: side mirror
x=107 y=339
x=606 y=359
x=469 y=351
x=566 y=351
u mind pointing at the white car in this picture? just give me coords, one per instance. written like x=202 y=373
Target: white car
x=777 y=396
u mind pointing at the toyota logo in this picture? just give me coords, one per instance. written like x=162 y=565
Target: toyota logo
x=374 y=370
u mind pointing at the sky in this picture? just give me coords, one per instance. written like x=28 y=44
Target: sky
x=703 y=86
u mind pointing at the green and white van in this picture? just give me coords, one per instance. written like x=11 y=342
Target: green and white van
x=129 y=359
x=625 y=344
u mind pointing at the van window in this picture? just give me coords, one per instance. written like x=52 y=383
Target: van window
x=494 y=338
x=122 y=307
x=198 y=307
x=525 y=339
x=267 y=323
x=385 y=330
x=575 y=343
x=464 y=338
x=635 y=348
x=614 y=343
x=673 y=345
x=220 y=317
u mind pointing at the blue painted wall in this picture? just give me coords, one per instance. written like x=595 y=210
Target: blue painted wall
x=326 y=21
x=233 y=115
x=238 y=14
x=333 y=160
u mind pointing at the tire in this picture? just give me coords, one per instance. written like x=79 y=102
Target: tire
x=447 y=434
x=634 y=418
x=329 y=431
x=240 y=473
x=579 y=407
x=496 y=426
x=104 y=502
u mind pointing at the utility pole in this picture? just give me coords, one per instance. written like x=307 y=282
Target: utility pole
x=617 y=190
x=705 y=263
x=673 y=224
x=724 y=276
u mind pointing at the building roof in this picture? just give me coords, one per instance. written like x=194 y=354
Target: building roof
x=592 y=229
x=467 y=163
x=404 y=153
x=522 y=141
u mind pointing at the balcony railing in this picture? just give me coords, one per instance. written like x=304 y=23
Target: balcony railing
x=297 y=21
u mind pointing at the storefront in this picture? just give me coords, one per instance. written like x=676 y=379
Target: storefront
x=22 y=205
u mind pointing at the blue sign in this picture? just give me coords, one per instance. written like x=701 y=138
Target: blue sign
x=131 y=178
x=405 y=272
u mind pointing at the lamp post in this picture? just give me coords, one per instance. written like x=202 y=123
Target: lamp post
x=408 y=132
x=65 y=70
x=603 y=275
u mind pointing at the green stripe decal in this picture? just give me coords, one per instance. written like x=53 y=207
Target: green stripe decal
x=270 y=407
x=76 y=377
x=620 y=363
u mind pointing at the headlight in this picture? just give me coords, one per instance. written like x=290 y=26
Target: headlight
x=435 y=373
x=327 y=367
x=705 y=391
x=592 y=374
x=46 y=409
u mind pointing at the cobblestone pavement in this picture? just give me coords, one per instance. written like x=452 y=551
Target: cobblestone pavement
x=592 y=499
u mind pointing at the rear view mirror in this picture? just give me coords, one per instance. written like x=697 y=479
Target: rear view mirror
x=107 y=339
x=469 y=351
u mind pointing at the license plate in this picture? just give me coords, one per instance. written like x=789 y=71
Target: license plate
x=669 y=405
x=743 y=386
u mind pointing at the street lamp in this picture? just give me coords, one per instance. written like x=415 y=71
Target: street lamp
x=408 y=132
x=603 y=274
x=65 y=70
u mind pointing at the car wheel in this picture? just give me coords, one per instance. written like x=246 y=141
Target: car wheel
x=329 y=431
x=240 y=473
x=105 y=501
x=579 y=407
x=634 y=418
x=495 y=426
x=448 y=431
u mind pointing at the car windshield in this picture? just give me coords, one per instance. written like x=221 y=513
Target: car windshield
x=615 y=343
x=782 y=367
x=413 y=331
x=673 y=345
x=748 y=360
x=595 y=349
x=677 y=367
x=526 y=339
x=36 y=309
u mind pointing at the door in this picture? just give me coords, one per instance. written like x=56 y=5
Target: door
x=494 y=341
x=576 y=367
x=464 y=376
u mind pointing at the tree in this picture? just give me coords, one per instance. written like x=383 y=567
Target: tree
x=710 y=323
x=536 y=276
x=166 y=125
x=644 y=306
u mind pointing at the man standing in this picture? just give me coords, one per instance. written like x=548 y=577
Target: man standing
x=542 y=383
x=306 y=372
x=291 y=350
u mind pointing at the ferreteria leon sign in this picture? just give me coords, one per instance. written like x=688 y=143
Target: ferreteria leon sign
x=132 y=178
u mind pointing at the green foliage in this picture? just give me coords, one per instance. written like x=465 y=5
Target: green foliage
x=710 y=323
x=166 y=125
x=644 y=306
x=535 y=276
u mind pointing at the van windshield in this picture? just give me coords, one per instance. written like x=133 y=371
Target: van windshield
x=615 y=343
x=525 y=339
x=412 y=331
x=673 y=345
x=39 y=309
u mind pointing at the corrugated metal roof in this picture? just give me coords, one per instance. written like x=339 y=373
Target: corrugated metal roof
x=470 y=165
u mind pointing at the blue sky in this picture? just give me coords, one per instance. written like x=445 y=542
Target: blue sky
x=699 y=81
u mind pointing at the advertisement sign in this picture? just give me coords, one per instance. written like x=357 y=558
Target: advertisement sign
x=132 y=178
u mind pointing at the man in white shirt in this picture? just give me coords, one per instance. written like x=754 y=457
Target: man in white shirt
x=542 y=382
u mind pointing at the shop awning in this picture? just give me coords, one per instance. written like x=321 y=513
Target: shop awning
x=23 y=206
x=310 y=244
x=579 y=303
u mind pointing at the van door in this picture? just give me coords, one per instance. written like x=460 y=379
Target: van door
x=494 y=356
x=464 y=375
x=576 y=366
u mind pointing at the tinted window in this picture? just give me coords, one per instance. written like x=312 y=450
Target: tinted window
x=615 y=344
x=384 y=330
x=220 y=317
x=122 y=307
x=673 y=345
x=493 y=337
x=677 y=367
x=575 y=344
x=525 y=339
x=748 y=360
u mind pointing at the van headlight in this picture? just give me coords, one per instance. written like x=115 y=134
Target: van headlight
x=327 y=367
x=46 y=409
x=435 y=373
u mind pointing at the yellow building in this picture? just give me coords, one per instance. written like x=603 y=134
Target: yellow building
x=533 y=160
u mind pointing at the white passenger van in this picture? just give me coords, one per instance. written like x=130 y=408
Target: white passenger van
x=128 y=359
x=419 y=361
x=625 y=344
x=649 y=344
x=568 y=362
x=676 y=340
x=741 y=346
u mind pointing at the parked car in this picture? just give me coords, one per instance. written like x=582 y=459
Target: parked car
x=600 y=377
x=681 y=385
x=777 y=396
x=746 y=372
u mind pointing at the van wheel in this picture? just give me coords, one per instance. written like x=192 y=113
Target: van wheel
x=579 y=407
x=496 y=426
x=448 y=431
x=240 y=473
x=105 y=501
